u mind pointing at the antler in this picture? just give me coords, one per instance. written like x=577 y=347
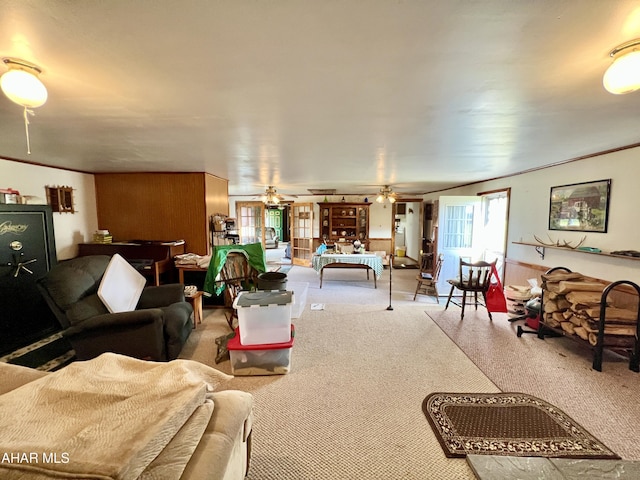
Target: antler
x=552 y=244
x=557 y=243
x=568 y=245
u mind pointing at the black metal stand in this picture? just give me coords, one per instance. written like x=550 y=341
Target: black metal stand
x=390 y=275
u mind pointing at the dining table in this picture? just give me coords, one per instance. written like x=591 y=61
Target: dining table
x=367 y=261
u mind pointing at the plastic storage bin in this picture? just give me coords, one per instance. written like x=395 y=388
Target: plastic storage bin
x=264 y=316
x=267 y=359
x=299 y=290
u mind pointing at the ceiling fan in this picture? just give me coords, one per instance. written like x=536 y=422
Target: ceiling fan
x=386 y=193
x=271 y=197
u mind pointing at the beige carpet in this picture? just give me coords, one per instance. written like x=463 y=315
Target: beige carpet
x=557 y=370
x=351 y=406
x=350 y=286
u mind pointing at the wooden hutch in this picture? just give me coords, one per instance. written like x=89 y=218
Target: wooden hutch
x=344 y=222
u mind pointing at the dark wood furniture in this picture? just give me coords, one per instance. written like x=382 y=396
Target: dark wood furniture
x=361 y=261
x=188 y=268
x=349 y=265
x=344 y=222
x=473 y=278
x=151 y=258
x=175 y=205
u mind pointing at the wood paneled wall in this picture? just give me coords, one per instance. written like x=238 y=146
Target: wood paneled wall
x=160 y=206
x=517 y=273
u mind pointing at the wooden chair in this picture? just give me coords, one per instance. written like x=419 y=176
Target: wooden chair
x=237 y=275
x=428 y=276
x=473 y=278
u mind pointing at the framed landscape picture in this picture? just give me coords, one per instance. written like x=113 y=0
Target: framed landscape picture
x=580 y=207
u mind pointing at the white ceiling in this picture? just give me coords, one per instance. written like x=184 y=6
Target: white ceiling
x=344 y=94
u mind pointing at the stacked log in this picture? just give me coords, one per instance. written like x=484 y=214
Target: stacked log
x=572 y=303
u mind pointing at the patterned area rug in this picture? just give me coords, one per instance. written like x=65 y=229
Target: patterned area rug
x=513 y=424
x=48 y=354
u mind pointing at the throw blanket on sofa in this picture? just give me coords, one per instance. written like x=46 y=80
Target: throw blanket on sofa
x=106 y=418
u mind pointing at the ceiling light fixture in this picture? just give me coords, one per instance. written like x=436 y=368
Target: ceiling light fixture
x=271 y=197
x=21 y=85
x=386 y=194
x=623 y=75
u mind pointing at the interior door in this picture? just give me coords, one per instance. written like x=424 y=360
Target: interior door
x=459 y=234
x=274 y=219
x=250 y=222
x=301 y=233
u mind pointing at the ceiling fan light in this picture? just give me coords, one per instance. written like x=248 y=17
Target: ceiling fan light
x=623 y=75
x=392 y=199
x=22 y=86
x=380 y=198
x=270 y=197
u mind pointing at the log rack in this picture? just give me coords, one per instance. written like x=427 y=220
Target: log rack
x=632 y=346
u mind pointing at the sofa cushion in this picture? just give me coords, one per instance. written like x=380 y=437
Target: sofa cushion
x=88 y=307
x=71 y=280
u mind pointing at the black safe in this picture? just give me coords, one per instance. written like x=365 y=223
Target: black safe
x=27 y=252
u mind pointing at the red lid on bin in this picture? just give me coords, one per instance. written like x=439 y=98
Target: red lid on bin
x=234 y=343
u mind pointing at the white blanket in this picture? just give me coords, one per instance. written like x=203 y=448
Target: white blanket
x=106 y=418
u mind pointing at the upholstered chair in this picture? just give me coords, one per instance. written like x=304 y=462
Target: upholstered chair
x=156 y=330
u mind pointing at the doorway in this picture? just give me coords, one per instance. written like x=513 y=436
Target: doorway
x=294 y=220
x=472 y=227
x=407 y=232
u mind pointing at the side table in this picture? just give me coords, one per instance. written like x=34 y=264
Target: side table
x=196 y=302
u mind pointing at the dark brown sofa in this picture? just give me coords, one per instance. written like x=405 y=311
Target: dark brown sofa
x=156 y=330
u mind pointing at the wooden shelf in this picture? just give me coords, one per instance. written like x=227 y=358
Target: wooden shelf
x=351 y=218
x=60 y=199
x=541 y=248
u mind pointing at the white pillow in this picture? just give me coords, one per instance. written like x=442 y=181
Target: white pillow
x=121 y=286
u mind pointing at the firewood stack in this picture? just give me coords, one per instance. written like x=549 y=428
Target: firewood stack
x=572 y=303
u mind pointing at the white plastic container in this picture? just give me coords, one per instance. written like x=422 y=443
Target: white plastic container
x=267 y=359
x=299 y=290
x=264 y=316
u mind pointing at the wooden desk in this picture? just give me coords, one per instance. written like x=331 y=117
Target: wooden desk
x=188 y=268
x=360 y=260
x=160 y=253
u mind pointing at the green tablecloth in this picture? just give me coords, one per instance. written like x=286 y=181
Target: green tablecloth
x=255 y=256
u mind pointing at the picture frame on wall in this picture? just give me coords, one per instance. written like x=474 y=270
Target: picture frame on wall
x=580 y=207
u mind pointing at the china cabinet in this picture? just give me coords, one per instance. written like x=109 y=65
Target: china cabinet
x=344 y=222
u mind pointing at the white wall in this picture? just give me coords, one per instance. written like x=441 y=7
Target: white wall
x=70 y=228
x=529 y=214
